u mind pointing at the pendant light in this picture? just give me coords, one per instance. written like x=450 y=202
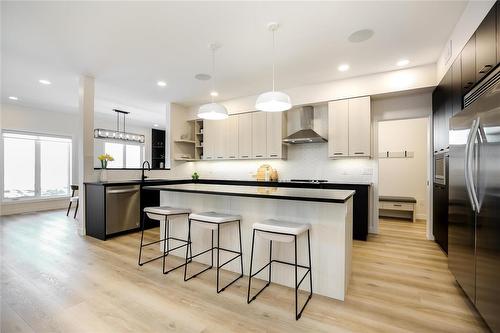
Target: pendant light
x=273 y=101
x=213 y=111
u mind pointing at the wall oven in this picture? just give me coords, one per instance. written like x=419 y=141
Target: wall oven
x=440 y=163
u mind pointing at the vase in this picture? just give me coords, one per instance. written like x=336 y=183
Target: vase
x=104 y=175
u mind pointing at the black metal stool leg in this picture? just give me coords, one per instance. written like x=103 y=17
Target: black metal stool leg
x=76 y=208
x=310 y=264
x=165 y=241
x=69 y=207
x=142 y=237
x=218 y=245
x=296 y=286
x=250 y=273
x=189 y=243
x=241 y=247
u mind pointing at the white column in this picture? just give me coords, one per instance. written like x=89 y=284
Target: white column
x=85 y=143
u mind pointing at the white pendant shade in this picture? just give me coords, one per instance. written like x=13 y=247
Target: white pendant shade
x=273 y=101
x=212 y=111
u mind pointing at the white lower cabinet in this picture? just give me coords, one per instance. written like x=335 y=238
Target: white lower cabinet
x=349 y=128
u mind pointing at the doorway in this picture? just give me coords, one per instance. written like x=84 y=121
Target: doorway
x=403 y=170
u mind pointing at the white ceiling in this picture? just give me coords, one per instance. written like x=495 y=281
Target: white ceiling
x=129 y=46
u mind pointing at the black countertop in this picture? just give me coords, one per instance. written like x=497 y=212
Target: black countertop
x=268 y=192
x=281 y=183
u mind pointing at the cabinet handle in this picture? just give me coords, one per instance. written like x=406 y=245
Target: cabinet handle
x=485 y=69
x=232 y=156
x=359 y=153
x=274 y=155
x=258 y=155
x=397 y=205
x=220 y=157
x=244 y=156
x=338 y=153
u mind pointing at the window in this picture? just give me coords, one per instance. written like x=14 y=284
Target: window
x=36 y=166
x=125 y=155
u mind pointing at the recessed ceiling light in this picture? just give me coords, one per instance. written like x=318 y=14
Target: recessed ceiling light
x=403 y=62
x=161 y=83
x=43 y=81
x=14 y=98
x=214 y=93
x=343 y=67
x=360 y=35
x=202 y=77
x=155 y=125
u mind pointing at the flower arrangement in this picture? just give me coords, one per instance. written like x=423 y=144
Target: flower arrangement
x=105 y=158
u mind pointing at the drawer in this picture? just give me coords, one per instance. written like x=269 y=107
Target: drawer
x=396 y=205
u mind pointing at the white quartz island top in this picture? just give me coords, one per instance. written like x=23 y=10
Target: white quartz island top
x=329 y=211
x=303 y=194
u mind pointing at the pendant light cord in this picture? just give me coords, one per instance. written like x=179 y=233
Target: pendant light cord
x=213 y=73
x=274 y=54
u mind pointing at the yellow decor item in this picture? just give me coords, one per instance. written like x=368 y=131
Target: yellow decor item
x=266 y=173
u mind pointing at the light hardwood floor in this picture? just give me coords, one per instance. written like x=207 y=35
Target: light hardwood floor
x=56 y=281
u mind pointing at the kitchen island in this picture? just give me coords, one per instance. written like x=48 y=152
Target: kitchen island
x=328 y=211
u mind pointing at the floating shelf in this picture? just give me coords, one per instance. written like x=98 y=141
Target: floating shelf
x=185 y=141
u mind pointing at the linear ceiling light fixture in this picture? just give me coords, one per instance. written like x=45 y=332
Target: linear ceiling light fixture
x=101 y=133
x=213 y=111
x=273 y=101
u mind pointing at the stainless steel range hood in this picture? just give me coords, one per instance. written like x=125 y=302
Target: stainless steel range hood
x=306 y=134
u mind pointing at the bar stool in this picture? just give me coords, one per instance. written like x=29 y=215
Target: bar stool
x=282 y=231
x=74 y=198
x=213 y=221
x=163 y=213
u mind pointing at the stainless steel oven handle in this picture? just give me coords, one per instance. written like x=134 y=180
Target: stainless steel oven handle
x=468 y=164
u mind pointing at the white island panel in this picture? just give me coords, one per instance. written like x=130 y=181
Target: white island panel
x=331 y=236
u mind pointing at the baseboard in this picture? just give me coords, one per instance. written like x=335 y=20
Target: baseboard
x=30 y=207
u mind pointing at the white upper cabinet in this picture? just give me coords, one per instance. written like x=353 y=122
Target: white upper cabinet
x=349 y=128
x=231 y=137
x=275 y=133
x=219 y=135
x=208 y=139
x=259 y=133
x=338 y=128
x=245 y=136
x=252 y=135
x=359 y=127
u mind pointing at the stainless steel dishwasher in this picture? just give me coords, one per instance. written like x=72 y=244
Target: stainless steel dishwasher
x=122 y=208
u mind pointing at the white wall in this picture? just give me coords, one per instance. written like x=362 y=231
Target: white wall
x=404 y=176
x=15 y=117
x=472 y=16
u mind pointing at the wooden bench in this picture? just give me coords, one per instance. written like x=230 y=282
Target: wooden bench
x=391 y=204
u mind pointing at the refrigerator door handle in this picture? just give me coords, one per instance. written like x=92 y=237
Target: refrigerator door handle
x=468 y=163
x=479 y=133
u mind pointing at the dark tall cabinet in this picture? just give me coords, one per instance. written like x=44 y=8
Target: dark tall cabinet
x=158 y=146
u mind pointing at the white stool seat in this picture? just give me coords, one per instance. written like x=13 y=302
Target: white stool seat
x=280 y=228
x=158 y=213
x=213 y=218
x=73 y=199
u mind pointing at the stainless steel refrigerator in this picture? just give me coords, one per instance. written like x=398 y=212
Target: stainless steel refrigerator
x=474 y=198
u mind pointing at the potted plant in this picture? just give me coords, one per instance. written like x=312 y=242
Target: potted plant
x=104 y=158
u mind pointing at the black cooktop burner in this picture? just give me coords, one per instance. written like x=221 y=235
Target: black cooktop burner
x=308 y=180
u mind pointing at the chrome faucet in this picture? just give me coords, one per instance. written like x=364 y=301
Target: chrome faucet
x=143 y=177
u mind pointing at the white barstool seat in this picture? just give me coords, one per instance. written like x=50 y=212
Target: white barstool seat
x=276 y=229
x=282 y=231
x=74 y=199
x=210 y=220
x=159 y=213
